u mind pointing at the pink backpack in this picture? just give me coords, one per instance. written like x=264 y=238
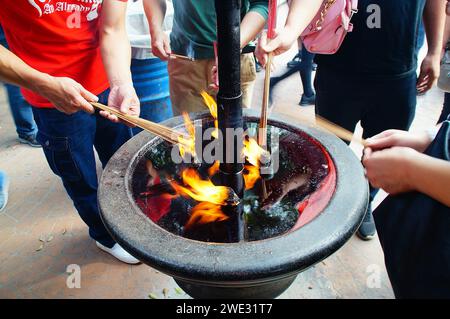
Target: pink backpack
x=329 y=27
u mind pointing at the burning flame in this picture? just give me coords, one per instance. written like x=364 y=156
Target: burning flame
x=212 y=106
x=251 y=176
x=204 y=190
x=205 y=213
x=252 y=151
x=187 y=145
x=214 y=168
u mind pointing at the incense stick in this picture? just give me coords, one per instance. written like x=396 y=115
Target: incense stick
x=166 y=133
x=324 y=124
x=262 y=134
x=339 y=131
x=181 y=57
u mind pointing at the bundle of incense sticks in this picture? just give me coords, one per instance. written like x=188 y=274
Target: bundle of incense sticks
x=181 y=57
x=168 y=134
x=337 y=130
x=271 y=25
x=326 y=125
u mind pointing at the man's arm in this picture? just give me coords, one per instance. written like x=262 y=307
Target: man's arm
x=301 y=12
x=155 y=10
x=434 y=22
x=116 y=55
x=65 y=94
x=254 y=21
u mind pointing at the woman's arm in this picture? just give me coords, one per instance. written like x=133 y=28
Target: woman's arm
x=301 y=12
x=431 y=176
x=116 y=55
x=401 y=169
x=254 y=21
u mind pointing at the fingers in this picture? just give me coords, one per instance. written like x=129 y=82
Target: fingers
x=159 y=51
x=109 y=116
x=83 y=105
x=88 y=95
x=383 y=143
x=167 y=49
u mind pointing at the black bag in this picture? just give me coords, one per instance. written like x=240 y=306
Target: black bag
x=414 y=231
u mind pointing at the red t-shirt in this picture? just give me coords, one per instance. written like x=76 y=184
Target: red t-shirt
x=58 y=37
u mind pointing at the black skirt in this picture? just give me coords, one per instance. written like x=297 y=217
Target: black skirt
x=414 y=231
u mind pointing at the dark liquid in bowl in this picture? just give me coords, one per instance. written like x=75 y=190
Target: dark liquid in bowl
x=303 y=165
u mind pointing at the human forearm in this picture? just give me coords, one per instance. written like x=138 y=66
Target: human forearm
x=301 y=12
x=251 y=25
x=114 y=44
x=434 y=22
x=116 y=55
x=430 y=176
x=155 y=10
x=15 y=71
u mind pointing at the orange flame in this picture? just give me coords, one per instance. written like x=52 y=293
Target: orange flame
x=205 y=213
x=212 y=106
x=251 y=176
x=253 y=153
x=187 y=145
x=204 y=190
x=214 y=168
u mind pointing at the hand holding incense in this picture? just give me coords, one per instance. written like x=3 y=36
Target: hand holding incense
x=181 y=57
x=166 y=133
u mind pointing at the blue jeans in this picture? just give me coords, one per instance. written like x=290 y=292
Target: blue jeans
x=20 y=109
x=21 y=112
x=68 y=142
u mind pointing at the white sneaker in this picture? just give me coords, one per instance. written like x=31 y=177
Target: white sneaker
x=120 y=253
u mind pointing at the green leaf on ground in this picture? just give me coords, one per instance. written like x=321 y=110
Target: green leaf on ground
x=152 y=296
x=179 y=291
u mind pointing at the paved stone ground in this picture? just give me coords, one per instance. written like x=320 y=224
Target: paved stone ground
x=40 y=209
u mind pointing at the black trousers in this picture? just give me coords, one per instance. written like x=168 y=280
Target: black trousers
x=380 y=104
x=446 y=109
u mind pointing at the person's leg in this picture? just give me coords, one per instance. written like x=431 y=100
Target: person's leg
x=306 y=69
x=109 y=136
x=393 y=110
x=335 y=102
x=22 y=115
x=187 y=80
x=248 y=78
x=67 y=142
x=4 y=187
x=446 y=109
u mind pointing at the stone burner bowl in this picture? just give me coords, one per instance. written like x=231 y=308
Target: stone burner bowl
x=255 y=269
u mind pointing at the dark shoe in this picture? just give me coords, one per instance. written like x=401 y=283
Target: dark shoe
x=258 y=67
x=30 y=140
x=367 y=229
x=308 y=100
x=296 y=60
